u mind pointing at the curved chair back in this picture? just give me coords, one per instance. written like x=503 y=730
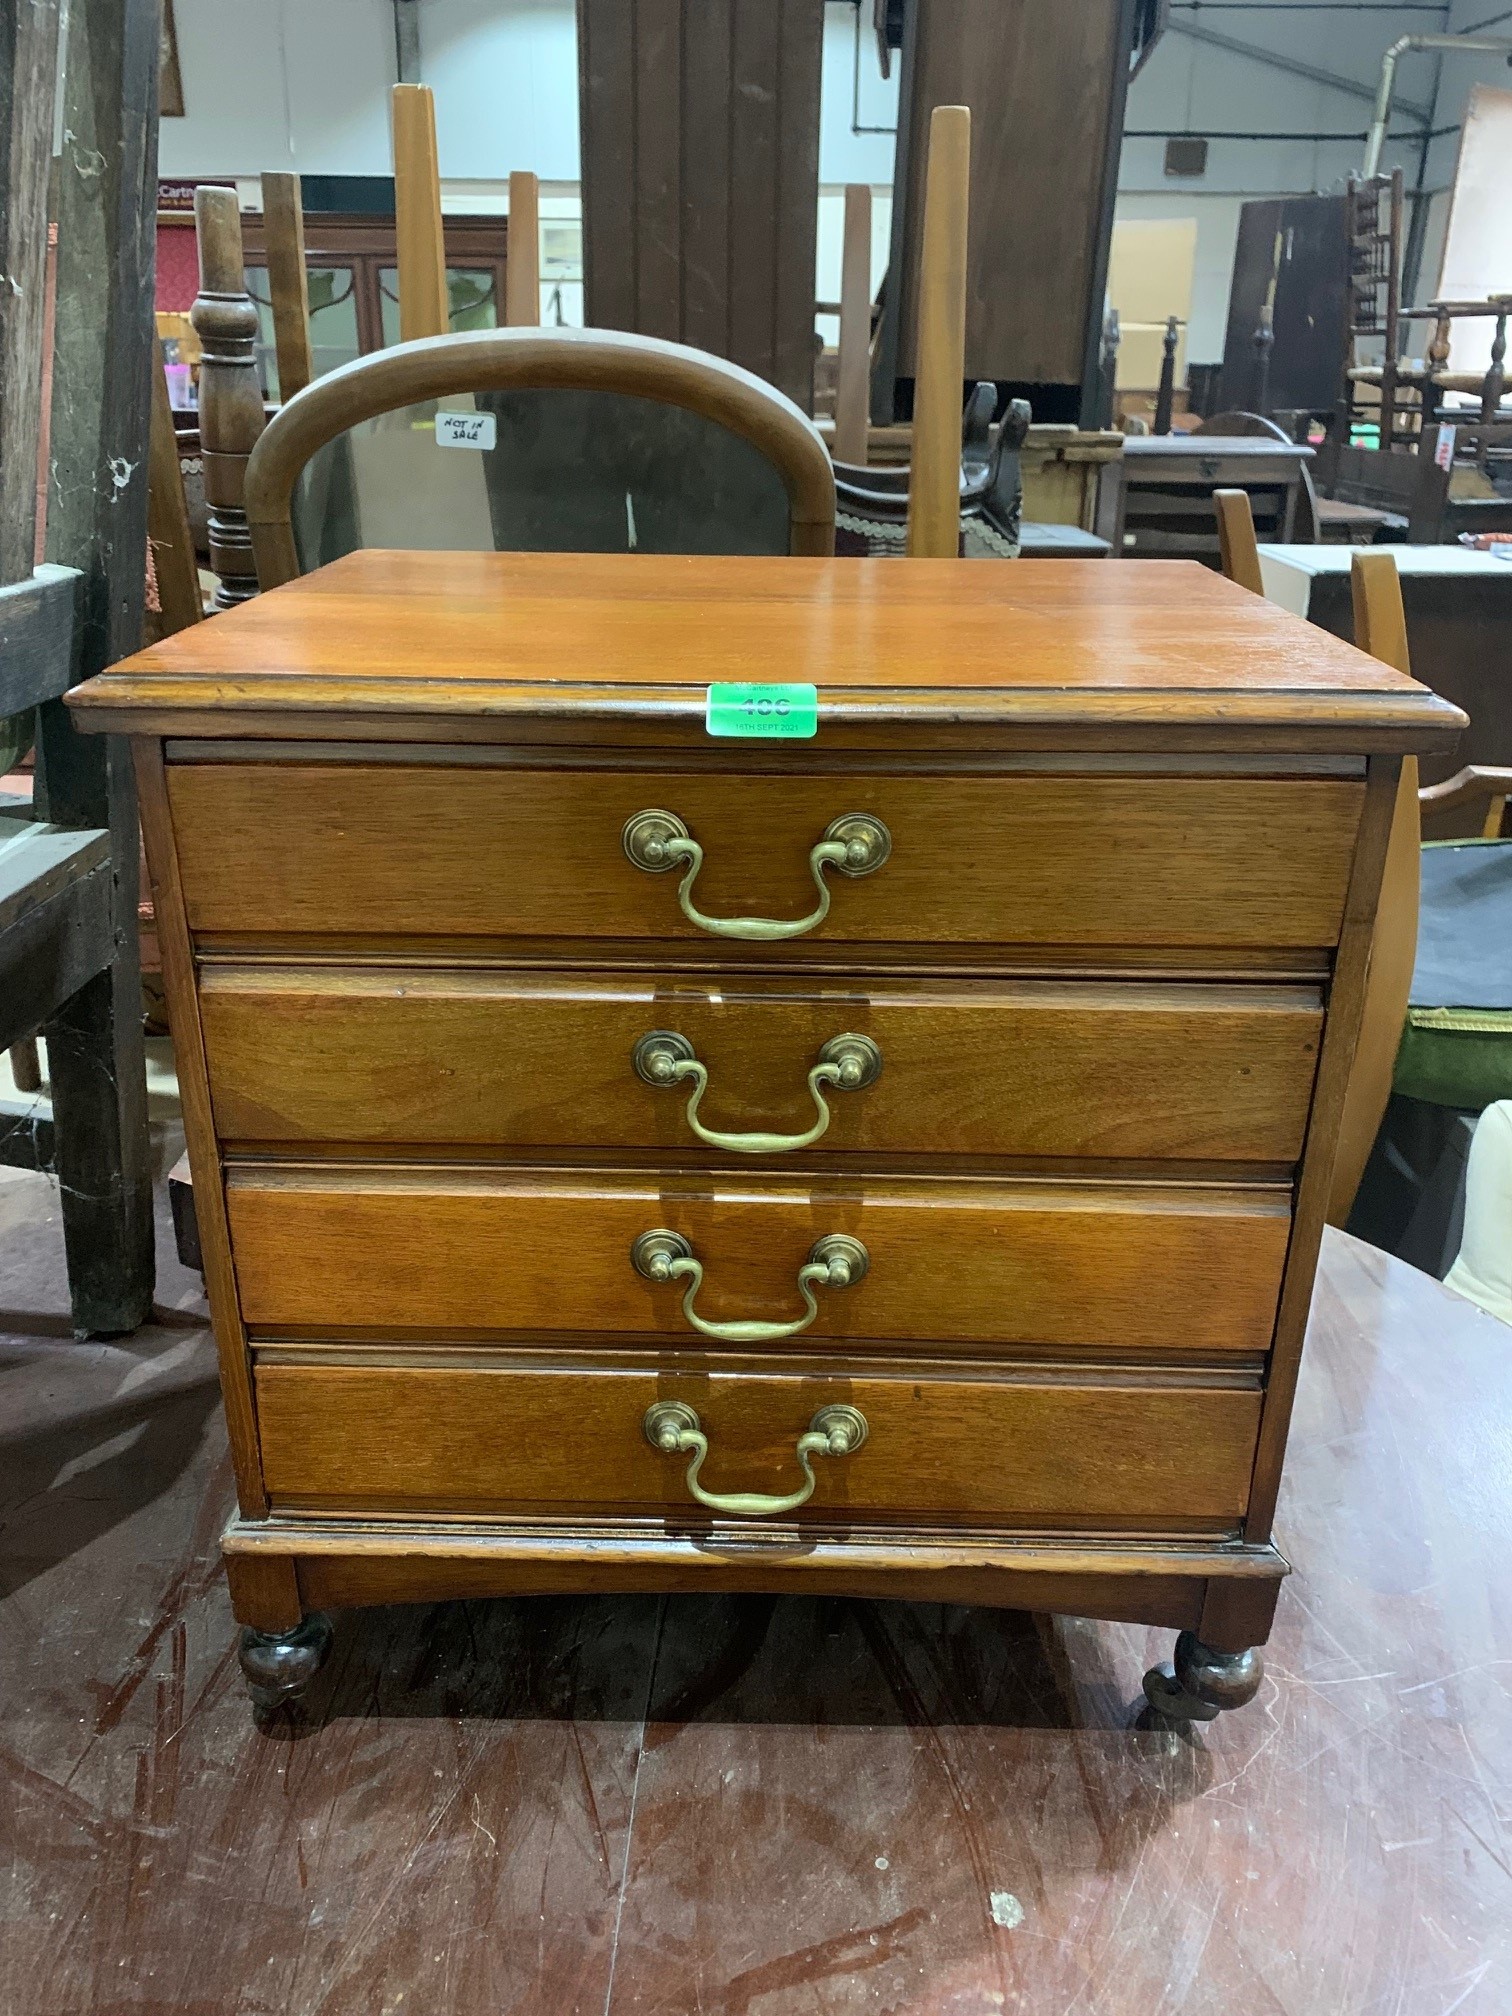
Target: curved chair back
x=1238 y=549
x=587 y=440
x=1258 y=427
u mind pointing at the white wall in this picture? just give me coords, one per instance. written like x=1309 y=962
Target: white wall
x=1190 y=86
x=848 y=102
x=299 y=84
x=304 y=84
x=505 y=79
x=854 y=102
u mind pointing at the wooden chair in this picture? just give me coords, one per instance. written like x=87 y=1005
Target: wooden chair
x=1451 y=1054
x=1238 y=426
x=420 y=237
x=934 y=495
x=288 y=281
x=1373 y=212
x=1238 y=548
x=874 y=503
x=170 y=543
x=577 y=441
x=1434 y=900
x=853 y=391
x=231 y=414
x=957 y=471
x=522 y=265
x=419 y=244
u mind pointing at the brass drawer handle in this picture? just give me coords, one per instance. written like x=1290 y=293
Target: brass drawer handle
x=673 y=1427
x=835 y=1261
x=849 y=1063
x=854 y=844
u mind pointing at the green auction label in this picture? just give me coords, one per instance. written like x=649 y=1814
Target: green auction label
x=747 y=709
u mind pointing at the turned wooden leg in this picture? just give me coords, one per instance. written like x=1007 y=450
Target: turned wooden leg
x=279 y=1665
x=1200 y=1683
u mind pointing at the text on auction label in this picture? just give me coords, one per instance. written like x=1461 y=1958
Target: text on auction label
x=748 y=709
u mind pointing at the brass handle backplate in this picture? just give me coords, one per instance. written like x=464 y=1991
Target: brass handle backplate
x=846 y=1063
x=856 y=843
x=835 y=1261
x=674 y=1428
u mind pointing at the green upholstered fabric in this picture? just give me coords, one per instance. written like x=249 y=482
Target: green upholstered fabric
x=1456 y=1057
x=1457 y=1046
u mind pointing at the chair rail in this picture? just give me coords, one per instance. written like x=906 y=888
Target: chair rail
x=496 y=360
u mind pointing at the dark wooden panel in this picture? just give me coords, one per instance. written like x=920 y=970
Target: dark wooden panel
x=797 y=177
x=1047 y=104
x=700 y=124
x=1299 y=246
x=28 y=76
x=656 y=169
x=1249 y=289
x=755 y=157
x=424 y=1251
x=61 y=936
x=709 y=242
x=97 y=522
x=606 y=120
x=958 y=1449
x=37 y=619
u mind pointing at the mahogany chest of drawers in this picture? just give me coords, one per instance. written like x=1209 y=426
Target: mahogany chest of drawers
x=890 y=1162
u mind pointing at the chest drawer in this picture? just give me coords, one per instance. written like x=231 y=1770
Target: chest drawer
x=424 y=1253
x=398 y=1056
x=977 y=1450
x=271 y=848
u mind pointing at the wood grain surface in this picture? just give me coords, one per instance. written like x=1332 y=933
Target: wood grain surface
x=199 y=1125
x=643 y=619
x=1184 y=860
x=992 y=1451
x=853 y=369
x=421 y=249
x=1047 y=1068
x=1136 y=1581
x=425 y=1252
x=1047 y=112
x=288 y=280
x=934 y=483
x=700 y=167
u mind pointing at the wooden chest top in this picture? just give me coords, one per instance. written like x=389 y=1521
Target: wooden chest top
x=614 y=647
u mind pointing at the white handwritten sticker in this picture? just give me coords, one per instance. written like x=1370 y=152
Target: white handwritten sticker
x=1443 y=454
x=466 y=430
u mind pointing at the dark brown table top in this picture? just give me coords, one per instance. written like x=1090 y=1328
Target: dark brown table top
x=1198 y=447
x=745 y=1806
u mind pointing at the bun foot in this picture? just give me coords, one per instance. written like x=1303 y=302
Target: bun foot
x=279 y=1665
x=1200 y=1683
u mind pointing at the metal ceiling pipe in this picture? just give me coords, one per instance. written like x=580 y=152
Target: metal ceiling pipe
x=1377 y=133
x=1273 y=59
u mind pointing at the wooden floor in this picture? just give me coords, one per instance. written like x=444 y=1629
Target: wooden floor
x=744 y=1807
